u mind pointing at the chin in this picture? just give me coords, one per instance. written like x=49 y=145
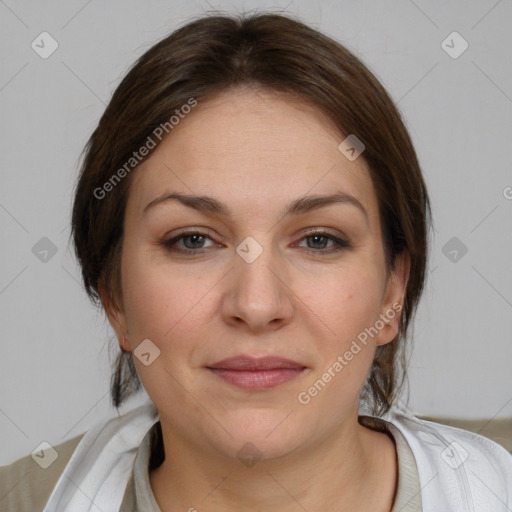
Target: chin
x=261 y=434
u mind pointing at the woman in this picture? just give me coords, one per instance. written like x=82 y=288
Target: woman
x=252 y=217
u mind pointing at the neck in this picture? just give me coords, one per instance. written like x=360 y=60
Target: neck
x=353 y=469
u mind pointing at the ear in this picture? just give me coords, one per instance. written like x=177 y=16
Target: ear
x=393 y=302
x=116 y=316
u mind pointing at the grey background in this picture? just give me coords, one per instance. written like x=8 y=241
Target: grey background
x=57 y=349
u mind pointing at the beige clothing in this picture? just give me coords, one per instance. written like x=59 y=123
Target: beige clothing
x=25 y=486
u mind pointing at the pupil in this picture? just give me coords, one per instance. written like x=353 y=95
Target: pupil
x=316 y=238
x=195 y=239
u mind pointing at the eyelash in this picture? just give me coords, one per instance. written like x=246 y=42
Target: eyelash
x=340 y=244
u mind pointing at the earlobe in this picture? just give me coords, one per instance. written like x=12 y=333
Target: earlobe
x=393 y=303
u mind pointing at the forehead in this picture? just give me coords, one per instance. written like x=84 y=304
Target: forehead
x=252 y=147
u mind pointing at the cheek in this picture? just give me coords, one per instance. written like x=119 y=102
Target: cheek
x=148 y=302
x=346 y=304
x=161 y=301
x=347 y=308
x=168 y=308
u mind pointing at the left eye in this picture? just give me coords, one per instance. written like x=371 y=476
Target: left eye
x=320 y=238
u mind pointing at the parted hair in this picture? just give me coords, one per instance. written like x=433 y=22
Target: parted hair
x=217 y=53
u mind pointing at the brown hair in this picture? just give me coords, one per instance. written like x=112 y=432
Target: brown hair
x=210 y=55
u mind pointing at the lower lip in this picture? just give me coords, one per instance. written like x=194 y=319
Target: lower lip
x=257 y=380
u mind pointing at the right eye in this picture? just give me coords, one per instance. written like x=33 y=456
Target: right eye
x=187 y=242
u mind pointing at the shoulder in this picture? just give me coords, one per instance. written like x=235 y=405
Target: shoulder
x=456 y=462
x=26 y=485
x=436 y=434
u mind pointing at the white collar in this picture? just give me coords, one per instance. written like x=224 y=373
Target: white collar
x=96 y=475
x=95 y=478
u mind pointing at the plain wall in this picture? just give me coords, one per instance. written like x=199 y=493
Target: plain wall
x=55 y=364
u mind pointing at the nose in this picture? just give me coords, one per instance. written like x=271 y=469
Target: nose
x=258 y=295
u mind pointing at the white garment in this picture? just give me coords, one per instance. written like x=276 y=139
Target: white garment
x=459 y=471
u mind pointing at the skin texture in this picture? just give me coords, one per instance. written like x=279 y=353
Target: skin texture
x=255 y=151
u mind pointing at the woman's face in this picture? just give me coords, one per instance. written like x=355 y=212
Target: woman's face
x=265 y=276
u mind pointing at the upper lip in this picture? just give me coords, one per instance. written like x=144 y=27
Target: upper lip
x=242 y=362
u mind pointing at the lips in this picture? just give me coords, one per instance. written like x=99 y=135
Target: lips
x=256 y=364
x=256 y=374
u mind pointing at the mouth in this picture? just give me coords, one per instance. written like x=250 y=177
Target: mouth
x=256 y=374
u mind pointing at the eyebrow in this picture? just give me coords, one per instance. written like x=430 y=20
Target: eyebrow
x=297 y=207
